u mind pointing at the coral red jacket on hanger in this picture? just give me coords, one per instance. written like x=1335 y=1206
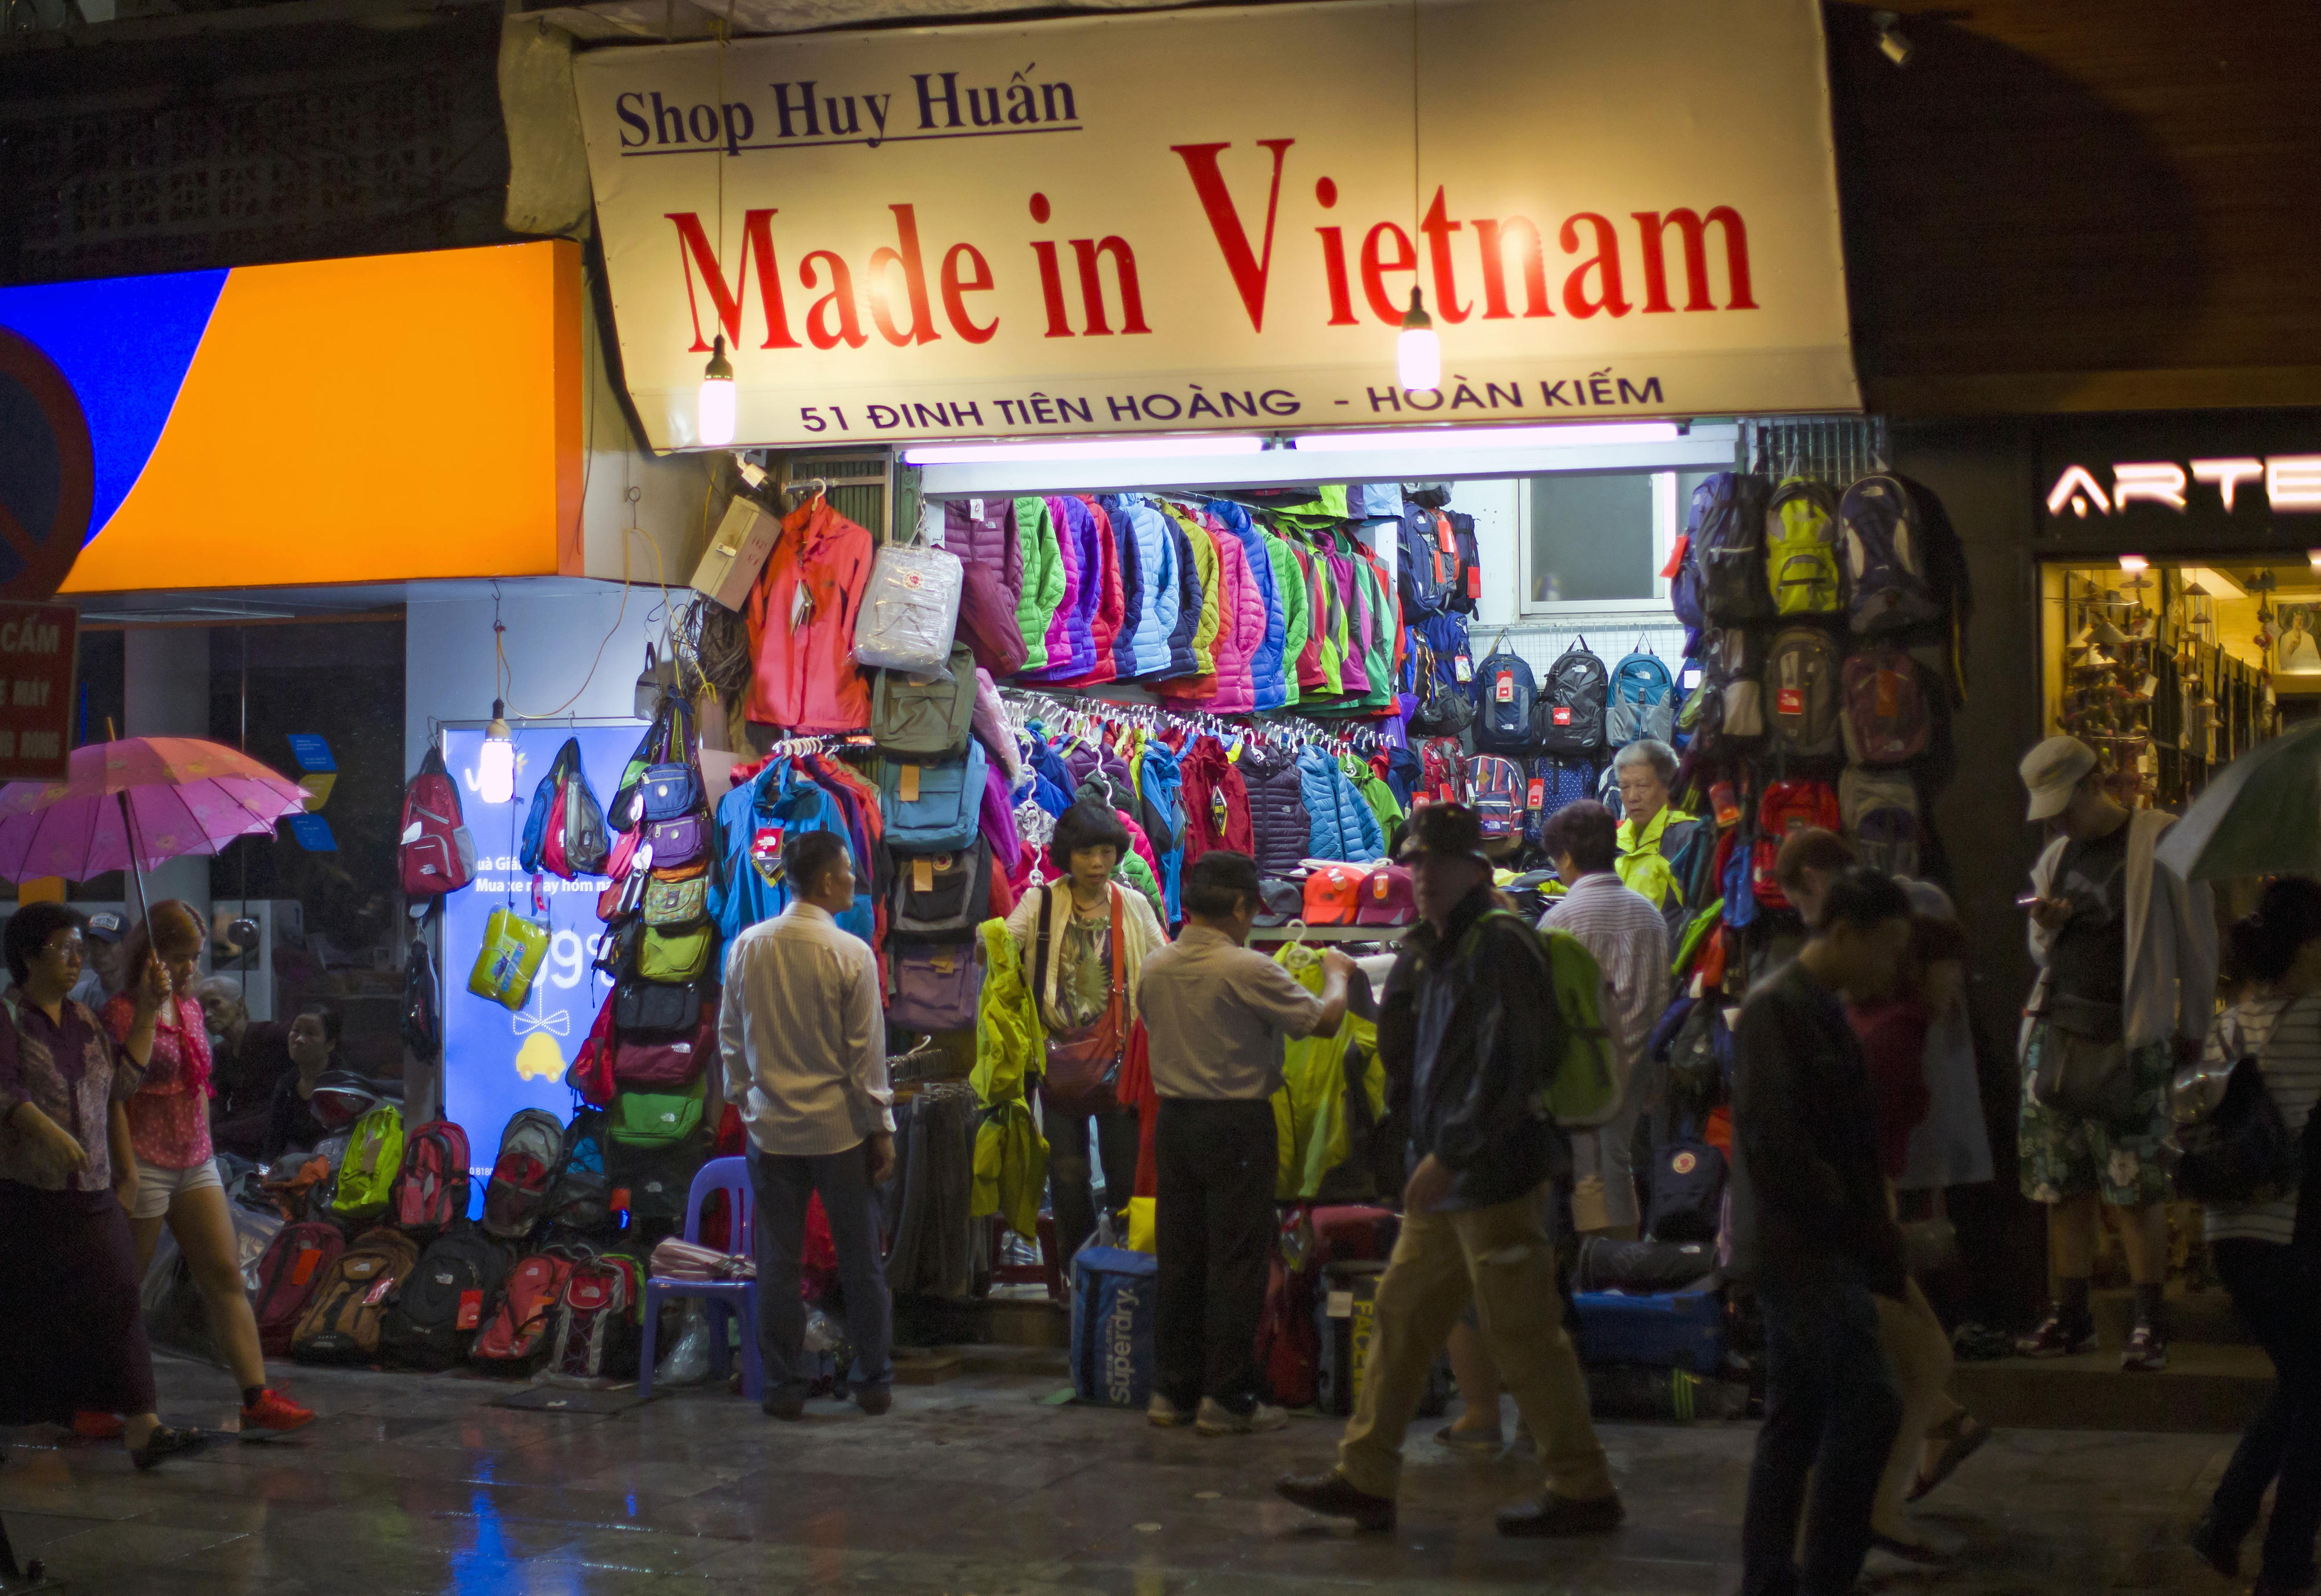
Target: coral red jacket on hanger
x=801 y=620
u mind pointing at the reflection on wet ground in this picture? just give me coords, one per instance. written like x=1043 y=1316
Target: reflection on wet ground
x=978 y=1487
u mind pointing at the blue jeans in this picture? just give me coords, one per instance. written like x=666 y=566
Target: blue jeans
x=783 y=1186
x=1832 y=1410
x=2278 y=1295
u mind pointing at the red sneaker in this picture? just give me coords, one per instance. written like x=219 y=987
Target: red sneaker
x=273 y=1410
x=97 y=1426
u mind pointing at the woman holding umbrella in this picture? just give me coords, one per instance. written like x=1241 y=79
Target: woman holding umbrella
x=69 y=1286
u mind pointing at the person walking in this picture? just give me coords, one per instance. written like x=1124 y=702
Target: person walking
x=2128 y=956
x=68 y=1287
x=2274 y=1282
x=177 y=1180
x=1811 y=1228
x=1470 y=997
x=1215 y=1017
x=803 y=1040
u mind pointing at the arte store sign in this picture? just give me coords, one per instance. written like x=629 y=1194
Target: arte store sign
x=1212 y=220
x=2245 y=478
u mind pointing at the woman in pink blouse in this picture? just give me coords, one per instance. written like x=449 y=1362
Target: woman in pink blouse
x=176 y=1174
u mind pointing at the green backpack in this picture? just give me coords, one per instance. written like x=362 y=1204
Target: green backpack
x=1582 y=1088
x=1801 y=549
x=366 y=1174
x=656 y=1119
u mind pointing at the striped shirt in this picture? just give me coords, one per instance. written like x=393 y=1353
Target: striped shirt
x=1629 y=938
x=2285 y=1034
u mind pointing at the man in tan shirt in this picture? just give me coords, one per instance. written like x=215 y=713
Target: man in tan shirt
x=1216 y=1016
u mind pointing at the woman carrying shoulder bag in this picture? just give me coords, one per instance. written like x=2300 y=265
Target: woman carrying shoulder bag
x=1083 y=942
x=2275 y=1283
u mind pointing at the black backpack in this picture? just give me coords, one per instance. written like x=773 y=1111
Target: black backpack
x=423 y=1029
x=437 y=1311
x=1687 y=1191
x=1467 y=595
x=1569 y=720
x=1729 y=545
x=1505 y=696
x=580 y=1192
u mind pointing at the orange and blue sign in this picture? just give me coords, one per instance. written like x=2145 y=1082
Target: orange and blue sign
x=386 y=418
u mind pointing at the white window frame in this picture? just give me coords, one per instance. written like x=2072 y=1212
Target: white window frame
x=1667 y=523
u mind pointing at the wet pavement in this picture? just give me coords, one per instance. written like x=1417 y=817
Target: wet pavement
x=975 y=1487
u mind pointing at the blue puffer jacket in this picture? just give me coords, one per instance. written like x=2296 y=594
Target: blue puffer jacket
x=1182 y=661
x=776 y=805
x=1342 y=825
x=1149 y=605
x=1278 y=824
x=1162 y=784
x=1045 y=762
x=1265 y=665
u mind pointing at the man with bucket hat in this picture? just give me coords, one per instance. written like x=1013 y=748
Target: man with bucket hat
x=1470 y=1021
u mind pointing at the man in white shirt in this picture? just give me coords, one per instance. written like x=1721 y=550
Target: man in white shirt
x=804 y=1041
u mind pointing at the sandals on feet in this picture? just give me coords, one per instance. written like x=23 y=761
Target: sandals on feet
x=1964 y=1437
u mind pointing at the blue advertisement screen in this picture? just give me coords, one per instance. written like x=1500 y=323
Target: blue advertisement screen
x=495 y=1062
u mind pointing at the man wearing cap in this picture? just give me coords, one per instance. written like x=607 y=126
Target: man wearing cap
x=1215 y=1016
x=100 y=980
x=2127 y=951
x=1470 y=1021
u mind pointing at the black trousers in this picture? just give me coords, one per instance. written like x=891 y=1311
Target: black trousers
x=1072 y=1194
x=1214 y=1225
x=2279 y=1294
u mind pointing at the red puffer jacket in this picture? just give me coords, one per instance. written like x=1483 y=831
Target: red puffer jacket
x=801 y=617
x=1216 y=803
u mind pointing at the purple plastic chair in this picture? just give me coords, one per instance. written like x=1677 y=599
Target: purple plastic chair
x=722 y=1297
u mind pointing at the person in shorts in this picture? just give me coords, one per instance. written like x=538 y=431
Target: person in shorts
x=2127 y=956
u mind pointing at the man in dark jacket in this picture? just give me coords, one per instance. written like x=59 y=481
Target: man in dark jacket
x=1470 y=1021
x=1810 y=1225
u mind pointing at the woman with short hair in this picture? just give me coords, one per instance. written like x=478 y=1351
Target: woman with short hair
x=1656 y=840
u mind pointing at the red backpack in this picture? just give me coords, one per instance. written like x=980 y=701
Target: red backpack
x=430 y=1189
x=596 y=1331
x=1883 y=706
x=1787 y=807
x=437 y=855
x=1442 y=771
x=1497 y=785
x=519 y=1318
x=293 y=1265
x=531 y=1149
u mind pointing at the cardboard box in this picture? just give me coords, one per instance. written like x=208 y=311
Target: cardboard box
x=728 y=566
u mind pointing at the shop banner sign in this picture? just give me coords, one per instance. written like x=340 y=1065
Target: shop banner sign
x=2250 y=481
x=495 y=1062
x=1212 y=220
x=38 y=653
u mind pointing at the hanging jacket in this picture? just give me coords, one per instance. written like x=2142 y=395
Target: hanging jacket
x=1161 y=784
x=1374 y=792
x=991 y=730
x=1216 y=803
x=1378 y=658
x=1206 y=582
x=1097 y=607
x=987 y=539
x=1241 y=632
x=1341 y=825
x=1313 y=681
x=1361 y=643
x=996 y=822
x=1068 y=640
x=1142 y=649
x=1111 y=609
x=1296 y=626
x=1048 y=764
x=753 y=820
x=1401 y=775
x=1279 y=823
x=801 y=625
x=1011 y=1159
x=1265 y=660
x=1182 y=660
x=1043 y=579
x=1128 y=557
x=1393 y=640
x=857 y=797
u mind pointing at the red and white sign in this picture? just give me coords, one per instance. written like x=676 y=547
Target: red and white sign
x=37 y=658
x=1213 y=218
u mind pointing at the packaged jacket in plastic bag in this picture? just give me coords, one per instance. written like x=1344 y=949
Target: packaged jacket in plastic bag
x=909 y=611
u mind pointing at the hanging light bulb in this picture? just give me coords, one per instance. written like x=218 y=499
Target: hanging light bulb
x=714 y=419
x=496 y=769
x=1417 y=352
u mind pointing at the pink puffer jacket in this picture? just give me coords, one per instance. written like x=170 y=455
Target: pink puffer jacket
x=1241 y=632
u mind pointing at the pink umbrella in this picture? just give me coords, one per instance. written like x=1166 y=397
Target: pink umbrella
x=175 y=795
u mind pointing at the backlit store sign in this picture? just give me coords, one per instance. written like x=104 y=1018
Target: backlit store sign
x=2286 y=483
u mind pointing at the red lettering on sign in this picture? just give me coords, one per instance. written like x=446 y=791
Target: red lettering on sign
x=1251 y=271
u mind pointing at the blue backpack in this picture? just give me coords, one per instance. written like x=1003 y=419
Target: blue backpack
x=933 y=807
x=1505 y=692
x=1640 y=702
x=1557 y=783
x=1898 y=550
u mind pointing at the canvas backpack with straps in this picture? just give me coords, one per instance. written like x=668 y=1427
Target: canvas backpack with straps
x=1442 y=771
x=1887 y=717
x=926 y=717
x=438 y=1311
x=1496 y=785
x=1639 y=701
x=1801 y=554
x=1727 y=543
x=940 y=897
x=1504 y=693
x=594 y=1332
x=1553 y=784
x=933 y=806
x=431 y=1190
x=1881 y=811
x=435 y=855
x=1899 y=552
x=374 y=1157
x=1801 y=693
x=341 y=1321
x=515 y=1324
x=1569 y=721
x=296 y=1261
x=530 y=1147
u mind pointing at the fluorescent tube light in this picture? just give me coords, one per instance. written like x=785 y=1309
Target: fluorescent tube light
x=1093 y=448
x=1578 y=436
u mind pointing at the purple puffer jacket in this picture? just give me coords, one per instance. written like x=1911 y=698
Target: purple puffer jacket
x=1240 y=629
x=1071 y=634
x=997 y=820
x=988 y=539
x=1353 y=676
x=1278 y=824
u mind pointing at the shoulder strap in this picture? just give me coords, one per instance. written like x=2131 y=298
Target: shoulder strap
x=1039 y=949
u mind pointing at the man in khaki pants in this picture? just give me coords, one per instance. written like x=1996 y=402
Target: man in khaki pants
x=1468 y=1020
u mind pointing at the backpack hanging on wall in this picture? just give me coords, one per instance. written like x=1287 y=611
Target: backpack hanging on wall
x=1801 y=554
x=1496 y=785
x=580 y=845
x=1801 y=693
x=1880 y=810
x=1426 y=563
x=1727 y=544
x=1552 y=785
x=1504 y=694
x=1639 y=701
x=1899 y=555
x=1568 y=721
x=1467 y=597
x=1442 y=771
x=1887 y=717
x=435 y=853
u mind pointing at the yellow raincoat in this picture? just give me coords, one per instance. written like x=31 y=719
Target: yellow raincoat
x=1011 y=1158
x=1309 y=1111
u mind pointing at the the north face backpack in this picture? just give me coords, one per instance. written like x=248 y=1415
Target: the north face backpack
x=1786 y=807
x=1570 y=719
x=435 y=1315
x=594 y=1332
x=1802 y=563
x=933 y=806
x=516 y=1322
x=1801 y=693
x=580 y=1192
x=435 y=855
x=1496 y=785
x=341 y=1321
x=1579 y=1087
x=1880 y=810
x=295 y=1262
x=1505 y=692
x=1442 y=771
x=1640 y=701
x=1727 y=541
x=431 y=1190
x=367 y=1174
x=1553 y=784
x=564 y=803
x=1896 y=555
x=1887 y=717
x=1466 y=595
x=531 y=1148
x=1427 y=555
